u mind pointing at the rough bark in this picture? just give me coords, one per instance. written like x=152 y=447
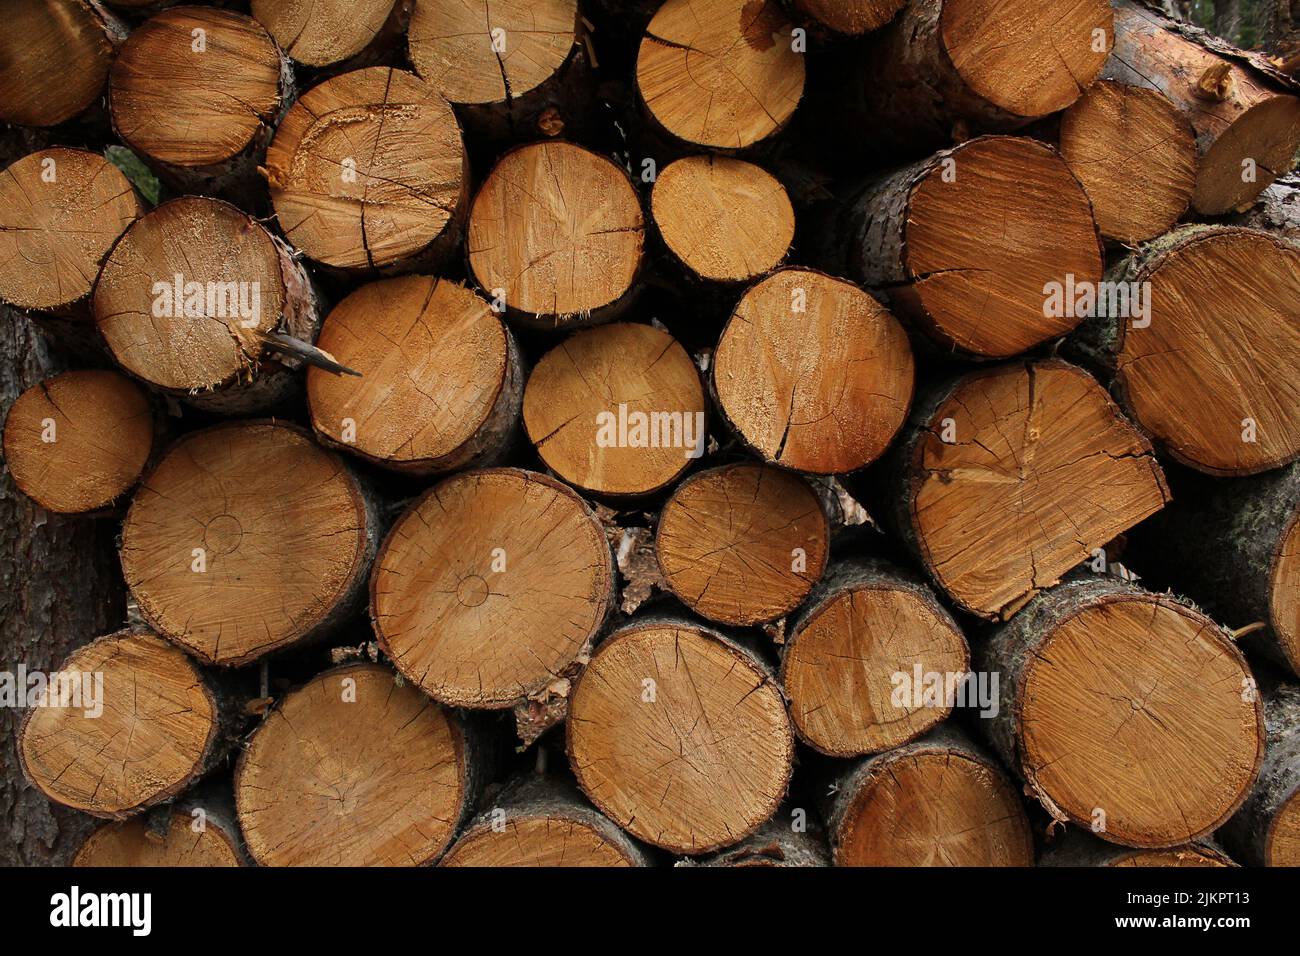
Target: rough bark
x=1266 y=830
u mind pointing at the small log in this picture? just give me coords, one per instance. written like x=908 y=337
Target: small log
x=200 y=831
x=617 y=410
x=1076 y=848
x=61 y=211
x=54 y=59
x=356 y=768
x=491 y=587
x=1135 y=154
x=556 y=234
x=327 y=32
x=539 y=820
x=723 y=75
x=979 y=228
x=1246 y=119
x=1217 y=395
x=858 y=657
x=942 y=68
x=441 y=381
x=188 y=298
x=1266 y=830
x=368 y=172
x=679 y=735
x=850 y=17
x=775 y=843
x=132 y=723
x=937 y=801
x=79 y=441
x=1008 y=477
x=723 y=220
x=1129 y=713
x=247 y=538
x=195 y=92
x=813 y=373
x=742 y=544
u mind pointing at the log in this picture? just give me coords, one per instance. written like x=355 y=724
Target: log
x=616 y=410
x=556 y=235
x=367 y=173
x=189 y=297
x=1247 y=121
x=813 y=373
x=79 y=441
x=326 y=32
x=1076 y=848
x=980 y=228
x=441 y=381
x=247 y=538
x=197 y=832
x=723 y=220
x=850 y=17
x=859 y=656
x=742 y=544
x=54 y=59
x=723 y=75
x=937 y=801
x=356 y=768
x=517 y=73
x=132 y=723
x=1129 y=713
x=679 y=736
x=1008 y=477
x=491 y=587
x=196 y=92
x=1217 y=396
x=543 y=821
x=1266 y=830
x=943 y=68
x=61 y=211
x=1277 y=209
x=1134 y=152
x=775 y=843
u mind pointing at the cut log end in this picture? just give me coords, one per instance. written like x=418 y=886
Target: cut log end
x=77 y=442
x=852 y=17
x=353 y=769
x=134 y=844
x=1027 y=57
x=323 y=33
x=193 y=86
x=491 y=587
x=1259 y=146
x=996 y=221
x=935 y=802
x=1219 y=395
x=725 y=76
x=1135 y=154
x=472 y=59
x=814 y=373
x=724 y=219
x=440 y=378
x=616 y=410
x=61 y=210
x=367 y=170
x=244 y=539
x=995 y=501
x=54 y=59
x=841 y=665
x=742 y=544
x=647 y=686
x=130 y=725
x=557 y=232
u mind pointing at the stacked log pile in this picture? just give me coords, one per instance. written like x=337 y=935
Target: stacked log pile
x=626 y=433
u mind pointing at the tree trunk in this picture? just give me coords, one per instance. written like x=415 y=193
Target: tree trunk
x=1128 y=713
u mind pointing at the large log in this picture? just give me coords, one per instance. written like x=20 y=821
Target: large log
x=679 y=735
x=247 y=538
x=1008 y=477
x=971 y=232
x=441 y=378
x=356 y=768
x=813 y=373
x=1208 y=365
x=1129 y=713
x=491 y=587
